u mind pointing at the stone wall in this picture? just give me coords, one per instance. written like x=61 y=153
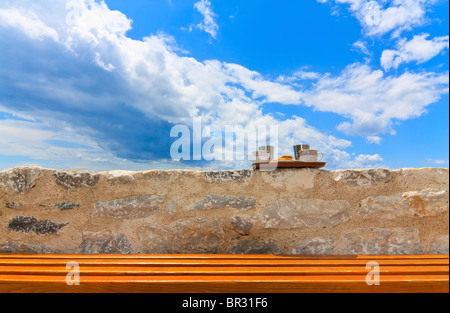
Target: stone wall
x=288 y=211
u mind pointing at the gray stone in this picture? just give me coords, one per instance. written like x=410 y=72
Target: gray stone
x=130 y=208
x=72 y=179
x=242 y=225
x=19 y=180
x=301 y=213
x=223 y=176
x=171 y=207
x=25 y=224
x=121 y=177
x=13 y=205
x=64 y=206
x=316 y=246
x=105 y=242
x=215 y=202
x=196 y=235
x=363 y=178
x=256 y=246
x=378 y=241
x=24 y=248
x=441 y=245
x=423 y=203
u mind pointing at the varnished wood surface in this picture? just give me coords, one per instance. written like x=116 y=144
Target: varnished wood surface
x=223 y=273
x=290 y=164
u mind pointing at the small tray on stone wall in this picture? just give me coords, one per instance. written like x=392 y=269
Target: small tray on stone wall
x=290 y=164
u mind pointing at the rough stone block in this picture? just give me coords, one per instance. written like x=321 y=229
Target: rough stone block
x=196 y=235
x=291 y=179
x=130 y=208
x=105 y=242
x=76 y=179
x=256 y=246
x=19 y=180
x=13 y=205
x=25 y=224
x=216 y=202
x=441 y=245
x=363 y=178
x=24 y=248
x=423 y=203
x=378 y=241
x=301 y=213
x=243 y=224
x=224 y=176
x=316 y=246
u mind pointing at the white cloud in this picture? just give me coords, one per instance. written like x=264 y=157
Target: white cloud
x=361 y=46
x=438 y=162
x=373 y=100
x=418 y=49
x=382 y=16
x=374 y=139
x=28 y=22
x=366 y=161
x=209 y=23
x=97 y=70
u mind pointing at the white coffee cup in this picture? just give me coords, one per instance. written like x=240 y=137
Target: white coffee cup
x=311 y=156
x=259 y=156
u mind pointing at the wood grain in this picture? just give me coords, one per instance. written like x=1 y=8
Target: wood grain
x=223 y=273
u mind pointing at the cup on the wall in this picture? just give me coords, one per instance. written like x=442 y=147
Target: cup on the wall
x=298 y=149
x=265 y=154
x=311 y=156
x=269 y=150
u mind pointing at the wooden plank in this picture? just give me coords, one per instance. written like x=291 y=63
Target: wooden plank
x=223 y=273
x=290 y=164
x=196 y=270
x=231 y=287
x=221 y=278
x=236 y=284
x=223 y=256
x=214 y=262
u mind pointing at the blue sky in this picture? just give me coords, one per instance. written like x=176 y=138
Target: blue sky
x=99 y=84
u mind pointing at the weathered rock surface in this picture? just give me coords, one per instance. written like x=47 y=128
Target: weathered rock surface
x=19 y=180
x=256 y=246
x=363 y=178
x=316 y=246
x=243 y=224
x=171 y=207
x=441 y=245
x=296 y=211
x=130 y=208
x=290 y=179
x=301 y=213
x=25 y=224
x=217 y=202
x=13 y=205
x=196 y=235
x=423 y=203
x=24 y=248
x=105 y=242
x=223 y=176
x=63 y=206
x=120 y=176
x=76 y=179
x=378 y=241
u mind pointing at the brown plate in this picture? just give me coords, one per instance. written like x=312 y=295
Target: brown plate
x=292 y=164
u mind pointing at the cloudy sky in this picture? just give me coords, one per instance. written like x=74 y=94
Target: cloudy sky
x=99 y=84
